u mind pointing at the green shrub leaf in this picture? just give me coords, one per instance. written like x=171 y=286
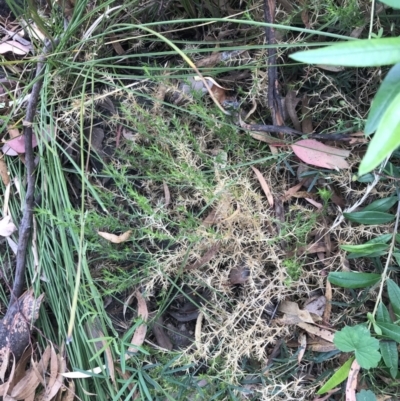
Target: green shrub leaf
x=386 y=138
x=339 y=377
x=391 y=3
x=353 y=279
x=365 y=395
x=390 y=356
x=382 y=314
x=370 y=217
x=390 y=330
x=358 y=339
x=382 y=205
x=394 y=296
x=387 y=91
x=365 y=250
x=357 y=53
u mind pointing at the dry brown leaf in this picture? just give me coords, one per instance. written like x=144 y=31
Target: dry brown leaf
x=115 y=239
x=140 y=333
x=264 y=186
x=7 y=227
x=27 y=386
x=58 y=382
x=326 y=317
x=69 y=393
x=351 y=384
x=293 y=314
x=291 y=191
x=167 y=194
x=302 y=347
x=239 y=275
x=331 y=68
x=4 y=363
x=41 y=367
x=117 y=45
x=306 y=122
x=5 y=177
x=161 y=336
x=317 y=331
x=4 y=387
x=320 y=345
x=316 y=305
x=318 y=205
x=291 y=102
x=205 y=258
x=14 y=47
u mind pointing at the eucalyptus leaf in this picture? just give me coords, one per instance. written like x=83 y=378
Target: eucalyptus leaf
x=390 y=356
x=357 y=53
x=387 y=91
x=370 y=217
x=386 y=138
x=394 y=296
x=353 y=279
x=338 y=377
x=382 y=205
x=390 y=330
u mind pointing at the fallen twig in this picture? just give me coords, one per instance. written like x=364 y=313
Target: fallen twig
x=26 y=221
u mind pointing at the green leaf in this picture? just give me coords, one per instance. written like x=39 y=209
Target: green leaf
x=353 y=279
x=382 y=205
x=377 y=329
x=386 y=138
x=387 y=91
x=396 y=255
x=370 y=217
x=357 y=53
x=382 y=314
x=390 y=330
x=394 y=296
x=358 y=339
x=391 y=3
x=339 y=376
x=363 y=250
x=390 y=356
x=365 y=395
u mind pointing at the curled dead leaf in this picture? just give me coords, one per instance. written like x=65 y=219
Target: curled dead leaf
x=14 y=47
x=115 y=239
x=140 y=333
x=7 y=227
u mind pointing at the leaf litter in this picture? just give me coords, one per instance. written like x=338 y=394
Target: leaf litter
x=225 y=236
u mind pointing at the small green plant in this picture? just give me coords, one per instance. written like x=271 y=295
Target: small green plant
x=378 y=337
x=293 y=268
x=383 y=118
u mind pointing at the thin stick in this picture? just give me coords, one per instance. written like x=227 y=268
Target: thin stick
x=26 y=221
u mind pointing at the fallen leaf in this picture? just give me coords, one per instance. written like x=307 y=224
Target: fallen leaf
x=15 y=146
x=317 y=344
x=316 y=153
x=291 y=191
x=302 y=346
x=140 y=334
x=317 y=331
x=4 y=171
x=14 y=47
x=291 y=102
x=326 y=317
x=7 y=227
x=306 y=123
x=205 y=258
x=161 y=336
x=318 y=205
x=264 y=186
x=293 y=314
x=217 y=57
x=316 y=305
x=351 y=385
x=115 y=239
x=167 y=194
x=239 y=275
